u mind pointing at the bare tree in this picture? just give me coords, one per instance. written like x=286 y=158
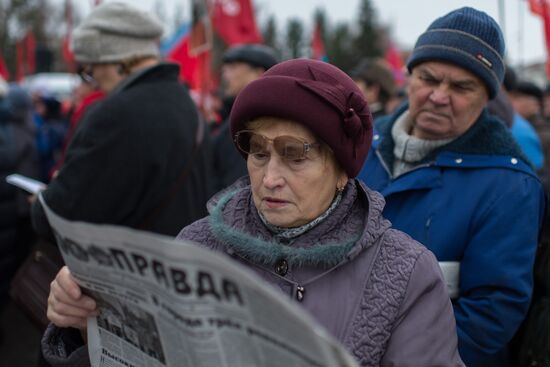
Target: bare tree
x=17 y=17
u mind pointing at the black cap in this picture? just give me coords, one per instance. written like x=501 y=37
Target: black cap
x=253 y=54
x=372 y=71
x=510 y=79
x=529 y=89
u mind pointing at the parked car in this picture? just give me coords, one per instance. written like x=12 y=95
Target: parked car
x=57 y=85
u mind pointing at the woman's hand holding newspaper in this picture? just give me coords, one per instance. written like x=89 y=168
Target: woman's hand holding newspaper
x=67 y=305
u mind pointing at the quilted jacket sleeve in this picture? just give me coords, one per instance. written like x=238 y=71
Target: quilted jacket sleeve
x=424 y=333
x=64 y=347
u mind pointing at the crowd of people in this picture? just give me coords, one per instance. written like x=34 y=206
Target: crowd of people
x=407 y=220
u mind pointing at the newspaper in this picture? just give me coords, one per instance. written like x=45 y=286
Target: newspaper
x=451 y=274
x=164 y=302
x=28 y=184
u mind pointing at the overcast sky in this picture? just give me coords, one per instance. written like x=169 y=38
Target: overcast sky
x=407 y=19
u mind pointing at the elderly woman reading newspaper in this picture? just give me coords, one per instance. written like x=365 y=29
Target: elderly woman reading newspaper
x=305 y=225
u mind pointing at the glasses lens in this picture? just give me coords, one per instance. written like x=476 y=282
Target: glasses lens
x=255 y=144
x=85 y=73
x=289 y=148
x=250 y=143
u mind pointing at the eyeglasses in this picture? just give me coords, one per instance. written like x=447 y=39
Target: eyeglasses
x=85 y=72
x=287 y=147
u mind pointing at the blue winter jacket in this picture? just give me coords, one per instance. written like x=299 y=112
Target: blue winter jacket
x=527 y=138
x=476 y=201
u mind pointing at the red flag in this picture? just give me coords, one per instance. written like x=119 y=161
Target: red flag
x=188 y=63
x=68 y=55
x=235 y=22
x=395 y=62
x=67 y=52
x=4 y=72
x=542 y=8
x=536 y=7
x=30 y=52
x=191 y=49
x=317 y=45
x=25 y=53
x=19 y=60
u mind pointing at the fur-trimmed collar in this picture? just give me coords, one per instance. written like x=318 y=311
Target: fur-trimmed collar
x=353 y=226
x=487 y=136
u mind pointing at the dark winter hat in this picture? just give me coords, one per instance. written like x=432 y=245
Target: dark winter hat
x=372 y=71
x=510 y=79
x=318 y=95
x=253 y=54
x=467 y=38
x=529 y=89
x=18 y=102
x=114 y=32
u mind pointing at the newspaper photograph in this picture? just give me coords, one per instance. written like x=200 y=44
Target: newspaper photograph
x=164 y=302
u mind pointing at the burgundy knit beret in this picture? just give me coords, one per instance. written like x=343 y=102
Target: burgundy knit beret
x=317 y=95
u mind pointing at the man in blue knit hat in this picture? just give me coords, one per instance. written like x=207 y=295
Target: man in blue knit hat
x=455 y=180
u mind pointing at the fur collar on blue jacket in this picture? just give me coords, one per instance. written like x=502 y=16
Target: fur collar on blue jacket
x=487 y=136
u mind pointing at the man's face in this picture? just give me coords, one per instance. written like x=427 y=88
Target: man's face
x=444 y=100
x=526 y=105
x=546 y=106
x=237 y=75
x=371 y=93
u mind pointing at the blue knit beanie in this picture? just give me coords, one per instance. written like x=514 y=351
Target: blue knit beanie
x=468 y=38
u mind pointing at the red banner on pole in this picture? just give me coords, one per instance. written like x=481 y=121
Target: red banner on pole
x=317 y=45
x=25 y=56
x=191 y=50
x=4 y=72
x=67 y=52
x=542 y=8
x=19 y=60
x=395 y=62
x=235 y=22
x=30 y=52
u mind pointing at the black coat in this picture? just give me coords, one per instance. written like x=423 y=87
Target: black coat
x=8 y=210
x=17 y=155
x=126 y=156
x=229 y=164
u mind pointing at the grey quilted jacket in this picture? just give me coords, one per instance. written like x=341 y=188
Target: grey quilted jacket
x=377 y=290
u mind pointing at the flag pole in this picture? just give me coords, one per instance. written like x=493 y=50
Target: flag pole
x=502 y=18
x=520 y=36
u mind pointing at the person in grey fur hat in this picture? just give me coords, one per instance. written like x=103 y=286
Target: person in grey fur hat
x=147 y=121
x=139 y=157
x=115 y=40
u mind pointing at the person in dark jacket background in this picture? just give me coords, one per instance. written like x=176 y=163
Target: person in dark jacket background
x=241 y=65
x=17 y=155
x=527 y=99
x=376 y=82
x=139 y=157
x=51 y=127
x=455 y=180
x=522 y=131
